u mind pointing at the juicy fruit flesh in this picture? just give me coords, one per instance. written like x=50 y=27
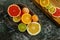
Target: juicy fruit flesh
x=26 y=18
x=22 y=27
x=44 y=3
x=33 y=28
x=16 y=19
x=35 y=18
x=57 y=13
x=14 y=10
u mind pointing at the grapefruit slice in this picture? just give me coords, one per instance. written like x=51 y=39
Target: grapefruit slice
x=57 y=13
x=14 y=10
x=26 y=18
x=44 y=3
x=16 y=19
x=35 y=18
x=22 y=27
x=34 y=28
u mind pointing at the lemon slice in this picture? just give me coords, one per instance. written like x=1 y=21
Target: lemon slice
x=34 y=28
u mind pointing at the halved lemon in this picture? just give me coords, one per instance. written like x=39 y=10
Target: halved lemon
x=44 y=3
x=26 y=18
x=34 y=28
x=16 y=19
x=35 y=18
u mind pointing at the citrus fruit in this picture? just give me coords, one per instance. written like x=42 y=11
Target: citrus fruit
x=57 y=13
x=49 y=6
x=35 y=18
x=34 y=28
x=44 y=3
x=22 y=27
x=14 y=10
x=52 y=10
x=26 y=18
x=25 y=10
x=16 y=19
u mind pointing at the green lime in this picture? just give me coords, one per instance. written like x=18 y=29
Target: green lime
x=22 y=27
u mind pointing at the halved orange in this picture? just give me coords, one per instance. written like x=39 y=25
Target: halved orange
x=25 y=10
x=14 y=10
x=16 y=19
x=35 y=18
x=34 y=28
x=26 y=18
x=44 y=3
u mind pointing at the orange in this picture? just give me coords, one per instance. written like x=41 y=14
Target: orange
x=16 y=19
x=26 y=18
x=34 y=28
x=14 y=10
x=44 y=3
x=35 y=18
x=25 y=10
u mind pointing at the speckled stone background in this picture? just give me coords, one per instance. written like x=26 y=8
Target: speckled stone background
x=49 y=30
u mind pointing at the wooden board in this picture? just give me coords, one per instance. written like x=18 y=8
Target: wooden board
x=55 y=20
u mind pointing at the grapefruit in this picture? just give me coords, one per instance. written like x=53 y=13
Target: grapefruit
x=26 y=18
x=14 y=10
x=16 y=19
x=22 y=27
x=34 y=28
x=44 y=3
x=35 y=18
x=57 y=13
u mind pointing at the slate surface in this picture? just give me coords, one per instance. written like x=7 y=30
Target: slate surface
x=49 y=30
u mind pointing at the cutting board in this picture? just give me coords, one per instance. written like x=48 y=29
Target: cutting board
x=56 y=20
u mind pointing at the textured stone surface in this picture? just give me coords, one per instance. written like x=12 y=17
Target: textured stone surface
x=49 y=29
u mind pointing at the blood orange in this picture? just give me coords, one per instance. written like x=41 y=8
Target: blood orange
x=14 y=10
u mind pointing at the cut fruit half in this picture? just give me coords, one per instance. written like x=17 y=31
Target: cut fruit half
x=14 y=10
x=26 y=18
x=35 y=18
x=57 y=13
x=52 y=10
x=44 y=3
x=16 y=19
x=34 y=28
x=22 y=27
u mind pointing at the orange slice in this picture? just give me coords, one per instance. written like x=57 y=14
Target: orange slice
x=16 y=19
x=26 y=18
x=35 y=18
x=34 y=28
x=44 y=3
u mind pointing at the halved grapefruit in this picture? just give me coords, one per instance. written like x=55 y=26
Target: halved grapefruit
x=14 y=10
x=34 y=28
x=57 y=13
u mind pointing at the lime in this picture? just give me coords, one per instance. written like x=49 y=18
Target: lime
x=22 y=27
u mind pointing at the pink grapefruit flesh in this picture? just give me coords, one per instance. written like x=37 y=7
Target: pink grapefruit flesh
x=14 y=10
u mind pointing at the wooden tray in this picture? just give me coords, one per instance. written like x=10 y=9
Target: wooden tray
x=55 y=20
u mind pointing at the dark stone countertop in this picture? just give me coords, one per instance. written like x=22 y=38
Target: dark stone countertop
x=49 y=30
